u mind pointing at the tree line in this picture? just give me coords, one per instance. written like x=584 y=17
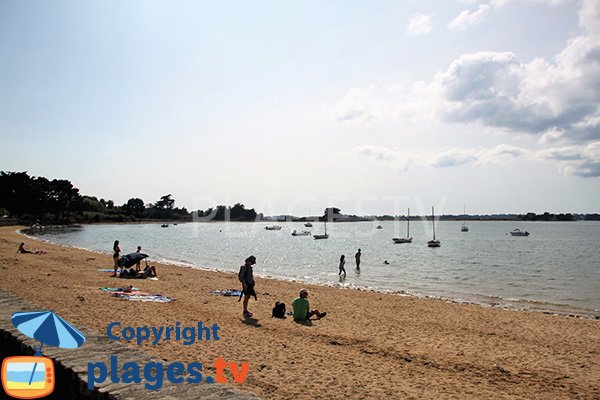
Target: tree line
x=38 y=199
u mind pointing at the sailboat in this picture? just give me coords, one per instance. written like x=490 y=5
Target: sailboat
x=408 y=238
x=433 y=243
x=464 y=227
x=325 y=236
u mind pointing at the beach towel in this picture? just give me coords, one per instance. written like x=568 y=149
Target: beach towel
x=156 y=298
x=228 y=292
x=116 y=289
x=111 y=270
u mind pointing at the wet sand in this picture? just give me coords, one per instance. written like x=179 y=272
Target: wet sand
x=370 y=345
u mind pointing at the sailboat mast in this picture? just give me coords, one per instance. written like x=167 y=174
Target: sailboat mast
x=433 y=221
x=408 y=224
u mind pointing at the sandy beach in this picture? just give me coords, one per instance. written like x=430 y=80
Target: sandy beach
x=370 y=345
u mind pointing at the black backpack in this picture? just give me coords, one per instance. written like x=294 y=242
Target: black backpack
x=279 y=310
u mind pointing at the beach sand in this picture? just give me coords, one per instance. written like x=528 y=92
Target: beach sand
x=370 y=345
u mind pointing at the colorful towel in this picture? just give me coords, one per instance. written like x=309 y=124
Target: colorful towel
x=228 y=292
x=111 y=270
x=156 y=298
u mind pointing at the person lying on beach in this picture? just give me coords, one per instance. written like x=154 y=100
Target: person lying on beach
x=24 y=251
x=302 y=311
x=127 y=289
x=131 y=273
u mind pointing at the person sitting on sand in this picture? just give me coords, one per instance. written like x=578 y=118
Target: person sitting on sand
x=149 y=272
x=302 y=311
x=24 y=251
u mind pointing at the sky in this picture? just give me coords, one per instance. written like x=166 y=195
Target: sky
x=289 y=107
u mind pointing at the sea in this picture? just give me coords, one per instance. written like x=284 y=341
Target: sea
x=555 y=269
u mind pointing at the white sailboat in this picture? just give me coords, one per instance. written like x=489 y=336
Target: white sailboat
x=325 y=236
x=408 y=238
x=464 y=227
x=434 y=242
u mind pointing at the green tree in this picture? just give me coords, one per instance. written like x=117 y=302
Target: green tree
x=165 y=203
x=134 y=206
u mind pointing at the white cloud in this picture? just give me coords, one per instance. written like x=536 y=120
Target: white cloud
x=466 y=18
x=556 y=100
x=583 y=161
x=419 y=24
x=452 y=157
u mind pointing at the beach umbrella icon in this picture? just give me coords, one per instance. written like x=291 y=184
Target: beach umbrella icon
x=48 y=328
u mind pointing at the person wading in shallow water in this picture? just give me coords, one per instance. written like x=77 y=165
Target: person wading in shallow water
x=247 y=278
x=357 y=257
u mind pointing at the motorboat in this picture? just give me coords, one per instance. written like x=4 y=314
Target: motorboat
x=301 y=233
x=518 y=232
x=164 y=226
x=273 y=228
x=408 y=238
x=379 y=227
x=434 y=242
x=308 y=225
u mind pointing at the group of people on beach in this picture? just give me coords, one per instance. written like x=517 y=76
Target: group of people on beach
x=343 y=262
x=300 y=305
x=149 y=271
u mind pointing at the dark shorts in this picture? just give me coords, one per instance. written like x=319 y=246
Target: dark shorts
x=249 y=291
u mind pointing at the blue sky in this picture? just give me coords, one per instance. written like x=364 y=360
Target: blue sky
x=289 y=107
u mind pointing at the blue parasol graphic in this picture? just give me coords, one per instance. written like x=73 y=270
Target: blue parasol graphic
x=48 y=328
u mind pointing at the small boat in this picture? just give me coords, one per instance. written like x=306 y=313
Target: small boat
x=434 y=242
x=164 y=226
x=518 y=232
x=379 y=227
x=408 y=238
x=273 y=228
x=325 y=236
x=308 y=225
x=464 y=227
x=301 y=233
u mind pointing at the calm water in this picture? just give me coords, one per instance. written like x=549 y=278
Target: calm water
x=556 y=268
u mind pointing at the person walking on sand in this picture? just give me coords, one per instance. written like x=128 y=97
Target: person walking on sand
x=302 y=311
x=116 y=256
x=342 y=262
x=357 y=257
x=247 y=278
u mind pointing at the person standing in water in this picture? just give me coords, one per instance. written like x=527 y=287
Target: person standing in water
x=357 y=257
x=342 y=262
